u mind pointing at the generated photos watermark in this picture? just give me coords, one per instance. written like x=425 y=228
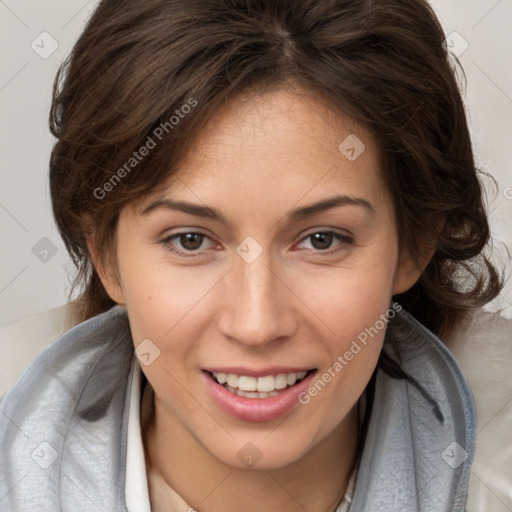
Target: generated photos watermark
x=151 y=142
x=343 y=360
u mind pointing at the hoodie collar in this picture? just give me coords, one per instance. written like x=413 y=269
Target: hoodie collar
x=421 y=437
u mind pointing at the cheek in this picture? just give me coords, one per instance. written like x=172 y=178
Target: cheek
x=160 y=305
x=350 y=298
x=354 y=349
x=158 y=294
x=351 y=305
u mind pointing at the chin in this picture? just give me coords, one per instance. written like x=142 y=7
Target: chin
x=265 y=451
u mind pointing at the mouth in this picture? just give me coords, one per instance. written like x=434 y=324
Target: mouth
x=262 y=396
x=267 y=386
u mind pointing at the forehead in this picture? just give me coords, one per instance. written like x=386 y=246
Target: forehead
x=284 y=144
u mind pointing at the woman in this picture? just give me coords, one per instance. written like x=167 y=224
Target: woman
x=276 y=205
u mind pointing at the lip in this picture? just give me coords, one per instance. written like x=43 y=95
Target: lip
x=256 y=409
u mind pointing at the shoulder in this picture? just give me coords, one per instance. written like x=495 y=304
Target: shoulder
x=73 y=393
x=482 y=346
x=25 y=339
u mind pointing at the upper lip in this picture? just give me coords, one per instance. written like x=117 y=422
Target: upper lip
x=251 y=372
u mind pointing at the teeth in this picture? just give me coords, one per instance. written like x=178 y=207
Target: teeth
x=291 y=379
x=232 y=380
x=221 y=378
x=266 y=384
x=281 y=381
x=247 y=394
x=247 y=383
x=258 y=387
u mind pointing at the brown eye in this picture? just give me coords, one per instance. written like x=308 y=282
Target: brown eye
x=191 y=241
x=188 y=243
x=322 y=240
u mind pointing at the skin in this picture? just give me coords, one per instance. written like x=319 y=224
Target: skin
x=298 y=304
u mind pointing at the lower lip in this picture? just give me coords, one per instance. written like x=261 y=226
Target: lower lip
x=256 y=409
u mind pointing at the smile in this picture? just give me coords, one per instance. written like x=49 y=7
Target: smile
x=262 y=396
x=258 y=387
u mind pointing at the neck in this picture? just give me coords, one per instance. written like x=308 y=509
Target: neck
x=179 y=463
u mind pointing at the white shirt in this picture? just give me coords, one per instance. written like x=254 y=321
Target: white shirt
x=136 y=486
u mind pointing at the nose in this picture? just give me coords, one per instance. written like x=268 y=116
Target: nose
x=258 y=303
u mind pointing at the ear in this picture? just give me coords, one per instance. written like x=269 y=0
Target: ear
x=409 y=269
x=106 y=270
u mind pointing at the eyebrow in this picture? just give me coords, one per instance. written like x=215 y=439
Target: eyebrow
x=293 y=216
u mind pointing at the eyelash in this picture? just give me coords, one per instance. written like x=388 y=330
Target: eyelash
x=346 y=239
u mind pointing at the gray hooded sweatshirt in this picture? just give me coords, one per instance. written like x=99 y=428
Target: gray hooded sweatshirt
x=63 y=425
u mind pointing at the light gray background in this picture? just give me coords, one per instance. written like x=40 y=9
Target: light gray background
x=29 y=284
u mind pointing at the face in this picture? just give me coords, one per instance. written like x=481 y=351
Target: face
x=268 y=254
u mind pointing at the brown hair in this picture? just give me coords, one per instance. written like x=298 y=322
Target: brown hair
x=138 y=62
